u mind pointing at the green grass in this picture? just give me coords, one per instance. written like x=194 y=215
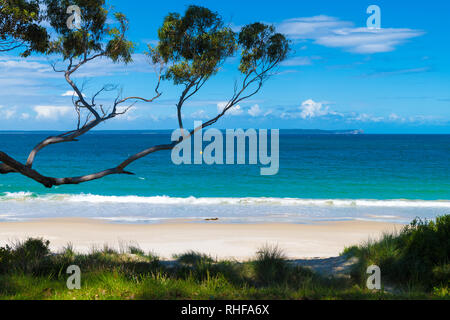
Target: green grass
x=28 y=270
x=417 y=258
x=271 y=266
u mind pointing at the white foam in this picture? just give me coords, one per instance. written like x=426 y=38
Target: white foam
x=18 y=196
x=165 y=200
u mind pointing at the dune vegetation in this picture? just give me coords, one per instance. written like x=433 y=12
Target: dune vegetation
x=417 y=257
x=414 y=265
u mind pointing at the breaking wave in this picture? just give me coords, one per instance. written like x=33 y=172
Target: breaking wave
x=165 y=200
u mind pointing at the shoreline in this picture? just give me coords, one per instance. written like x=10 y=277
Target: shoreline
x=27 y=206
x=323 y=239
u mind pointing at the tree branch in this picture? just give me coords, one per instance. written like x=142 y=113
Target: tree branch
x=12 y=164
x=72 y=135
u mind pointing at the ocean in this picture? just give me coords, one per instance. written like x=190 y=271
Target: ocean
x=339 y=177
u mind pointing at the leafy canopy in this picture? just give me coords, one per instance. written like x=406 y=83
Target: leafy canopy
x=95 y=37
x=20 y=26
x=196 y=45
x=261 y=46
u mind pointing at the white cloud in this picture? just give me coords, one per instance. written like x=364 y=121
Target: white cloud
x=364 y=117
x=40 y=68
x=7 y=113
x=395 y=117
x=199 y=115
x=105 y=67
x=255 y=111
x=311 y=109
x=299 y=61
x=424 y=119
x=70 y=94
x=335 y=33
x=364 y=40
x=311 y=27
x=234 y=111
x=381 y=73
x=127 y=113
x=25 y=116
x=15 y=63
x=51 y=112
x=412 y=119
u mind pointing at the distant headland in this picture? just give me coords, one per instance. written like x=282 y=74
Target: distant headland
x=317 y=131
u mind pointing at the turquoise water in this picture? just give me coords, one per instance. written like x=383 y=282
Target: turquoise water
x=373 y=177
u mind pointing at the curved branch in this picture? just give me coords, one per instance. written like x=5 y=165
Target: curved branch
x=145 y=153
x=9 y=165
x=49 y=182
x=80 y=95
x=72 y=135
x=139 y=99
x=65 y=137
x=4 y=169
x=24 y=170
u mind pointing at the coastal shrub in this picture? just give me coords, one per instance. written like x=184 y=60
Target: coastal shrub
x=418 y=256
x=427 y=240
x=271 y=265
x=193 y=258
x=6 y=258
x=195 y=266
x=136 y=250
x=32 y=249
x=235 y=272
x=125 y=276
x=27 y=255
x=442 y=274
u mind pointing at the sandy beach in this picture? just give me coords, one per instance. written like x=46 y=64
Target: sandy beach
x=238 y=241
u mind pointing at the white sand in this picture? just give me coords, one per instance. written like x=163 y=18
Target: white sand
x=219 y=240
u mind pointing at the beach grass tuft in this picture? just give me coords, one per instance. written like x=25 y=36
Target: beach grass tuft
x=271 y=265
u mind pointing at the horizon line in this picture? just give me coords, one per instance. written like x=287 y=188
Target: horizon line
x=325 y=131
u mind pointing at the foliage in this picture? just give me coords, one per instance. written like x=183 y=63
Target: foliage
x=136 y=250
x=94 y=37
x=197 y=44
x=20 y=26
x=261 y=46
x=25 y=256
x=193 y=258
x=418 y=256
x=271 y=265
x=191 y=49
x=107 y=274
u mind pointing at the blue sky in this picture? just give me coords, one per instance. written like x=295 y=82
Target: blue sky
x=340 y=74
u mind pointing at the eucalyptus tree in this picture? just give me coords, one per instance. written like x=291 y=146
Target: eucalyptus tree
x=93 y=40
x=20 y=26
x=192 y=48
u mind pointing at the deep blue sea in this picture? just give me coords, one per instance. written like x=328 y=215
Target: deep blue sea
x=321 y=177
